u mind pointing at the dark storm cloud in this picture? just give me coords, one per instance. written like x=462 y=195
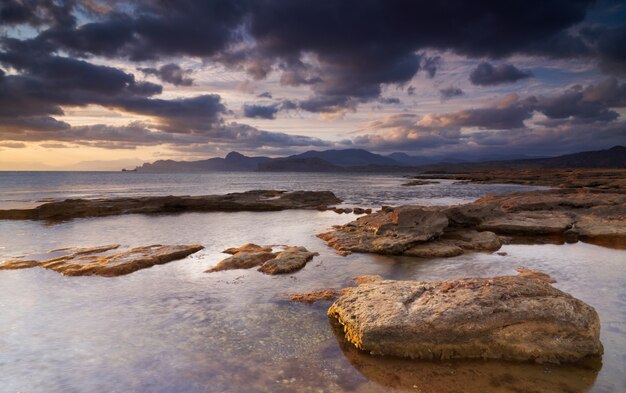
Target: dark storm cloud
x=609 y=43
x=47 y=82
x=37 y=12
x=344 y=50
x=450 y=92
x=267 y=111
x=260 y=111
x=170 y=73
x=486 y=74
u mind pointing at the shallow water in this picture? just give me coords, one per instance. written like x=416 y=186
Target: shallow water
x=174 y=328
x=27 y=189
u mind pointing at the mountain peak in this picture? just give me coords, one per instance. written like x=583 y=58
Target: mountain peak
x=233 y=155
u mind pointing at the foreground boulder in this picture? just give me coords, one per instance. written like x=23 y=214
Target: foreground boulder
x=287 y=260
x=554 y=216
x=510 y=317
x=98 y=261
x=258 y=200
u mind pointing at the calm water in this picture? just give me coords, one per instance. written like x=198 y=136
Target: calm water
x=174 y=328
x=24 y=189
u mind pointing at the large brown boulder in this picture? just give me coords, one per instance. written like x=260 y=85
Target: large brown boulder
x=509 y=317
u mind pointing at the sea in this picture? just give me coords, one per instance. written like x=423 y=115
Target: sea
x=175 y=328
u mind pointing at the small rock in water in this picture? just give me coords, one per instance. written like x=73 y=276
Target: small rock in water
x=288 y=260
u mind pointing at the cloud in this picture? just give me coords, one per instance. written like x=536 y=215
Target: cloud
x=260 y=111
x=579 y=118
x=450 y=92
x=360 y=47
x=54 y=145
x=170 y=73
x=12 y=145
x=267 y=111
x=608 y=44
x=487 y=75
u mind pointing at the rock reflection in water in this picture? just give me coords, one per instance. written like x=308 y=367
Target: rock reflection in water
x=468 y=376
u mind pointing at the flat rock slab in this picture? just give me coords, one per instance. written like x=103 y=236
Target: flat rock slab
x=100 y=261
x=389 y=231
x=553 y=216
x=258 y=200
x=510 y=317
x=598 y=178
x=287 y=260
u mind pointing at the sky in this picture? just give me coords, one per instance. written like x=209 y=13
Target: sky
x=106 y=84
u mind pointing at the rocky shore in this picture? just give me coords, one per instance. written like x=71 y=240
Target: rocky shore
x=613 y=179
x=519 y=318
x=100 y=261
x=556 y=216
x=257 y=200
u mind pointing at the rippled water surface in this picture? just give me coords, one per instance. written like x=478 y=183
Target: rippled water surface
x=174 y=328
x=24 y=189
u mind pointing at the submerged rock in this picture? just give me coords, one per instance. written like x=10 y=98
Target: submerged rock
x=288 y=260
x=419 y=183
x=510 y=317
x=257 y=200
x=315 y=296
x=95 y=261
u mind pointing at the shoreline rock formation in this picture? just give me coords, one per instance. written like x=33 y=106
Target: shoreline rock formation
x=99 y=261
x=521 y=318
x=554 y=216
x=613 y=179
x=289 y=259
x=256 y=200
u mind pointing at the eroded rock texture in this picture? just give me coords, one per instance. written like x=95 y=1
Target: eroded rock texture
x=99 y=261
x=287 y=260
x=552 y=216
x=511 y=317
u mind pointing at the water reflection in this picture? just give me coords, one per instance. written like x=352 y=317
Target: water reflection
x=173 y=328
x=468 y=376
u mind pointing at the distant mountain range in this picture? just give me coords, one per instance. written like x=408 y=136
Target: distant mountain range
x=359 y=160
x=614 y=157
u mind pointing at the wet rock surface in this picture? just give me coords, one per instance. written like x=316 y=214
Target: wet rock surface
x=100 y=261
x=510 y=317
x=257 y=200
x=287 y=260
x=553 y=216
